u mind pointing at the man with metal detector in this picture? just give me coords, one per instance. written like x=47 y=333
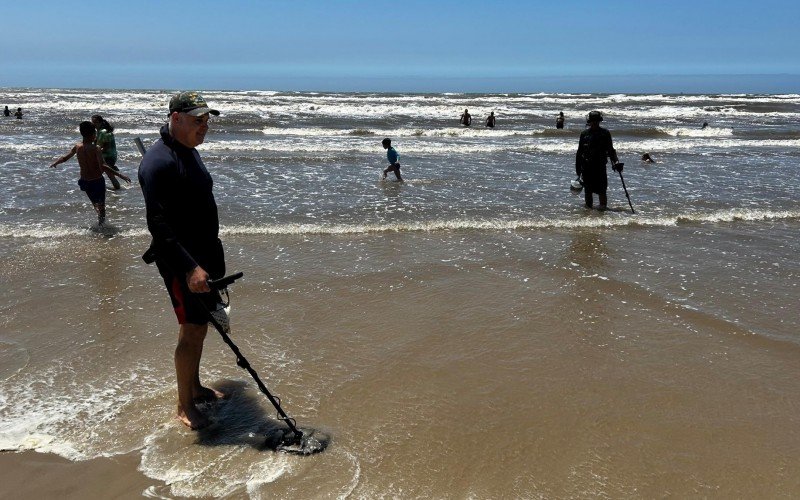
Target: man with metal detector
x=183 y=221
x=594 y=148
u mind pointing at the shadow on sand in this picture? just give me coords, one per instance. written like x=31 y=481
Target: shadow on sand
x=240 y=419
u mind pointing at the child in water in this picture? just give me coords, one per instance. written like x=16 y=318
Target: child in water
x=392 y=156
x=92 y=167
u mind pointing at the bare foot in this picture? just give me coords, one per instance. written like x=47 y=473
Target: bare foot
x=207 y=395
x=193 y=419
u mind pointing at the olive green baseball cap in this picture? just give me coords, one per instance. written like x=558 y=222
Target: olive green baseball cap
x=190 y=103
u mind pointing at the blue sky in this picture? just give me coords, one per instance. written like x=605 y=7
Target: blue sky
x=410 y=45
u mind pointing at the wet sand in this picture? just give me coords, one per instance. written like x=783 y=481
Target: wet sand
x=450 y=365
x=31 y=475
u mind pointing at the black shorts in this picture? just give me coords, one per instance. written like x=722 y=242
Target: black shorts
x=595 y=179
x=189 y=307
x=95 y=189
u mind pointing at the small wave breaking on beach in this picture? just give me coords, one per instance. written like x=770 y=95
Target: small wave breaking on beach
x=610 y=220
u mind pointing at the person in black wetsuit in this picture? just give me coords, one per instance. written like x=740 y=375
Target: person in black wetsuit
x=560 y=120
x=594 y=148
x=183 y=221
x=490 y=120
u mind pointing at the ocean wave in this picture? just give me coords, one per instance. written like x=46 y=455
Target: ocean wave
x=696 y=114
x=738 y=214
x=390 y=110
x=361 y=131
x=482 y=132
x=42 y=231
x=613 y=220
x=136 y=131
x=406 y=132
x=443 y=141
x=345 y=146
x=70 y=425
x=696 y=132
x=573 y=222
x=270 y=104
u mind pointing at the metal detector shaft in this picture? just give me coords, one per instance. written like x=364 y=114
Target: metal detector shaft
x=623 y=187
x=626 y=192
x=242 y=361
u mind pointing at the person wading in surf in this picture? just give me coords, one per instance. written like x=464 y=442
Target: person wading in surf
x=560 y=120
x=594 y=148
x=183 y=221
x=466 y=118
x=92 y=167
x=391 y=156
x=107 y=144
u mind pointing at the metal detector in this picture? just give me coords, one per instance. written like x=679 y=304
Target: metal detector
x=293 y=439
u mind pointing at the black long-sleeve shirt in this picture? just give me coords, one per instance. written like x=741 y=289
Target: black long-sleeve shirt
x=181 y=210
x=594 y=148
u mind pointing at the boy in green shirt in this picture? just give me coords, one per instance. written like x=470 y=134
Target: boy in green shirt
x=107 y=144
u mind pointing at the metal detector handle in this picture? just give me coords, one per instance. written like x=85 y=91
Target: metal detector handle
x=224 y=282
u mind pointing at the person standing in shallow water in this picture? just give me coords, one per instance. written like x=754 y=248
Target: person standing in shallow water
x=490 y=120
x=183 y=221
x=560 y=120
x=594 y=148
x=6 y=111
x=107 y=144
x=466 y=118
x=18 y=114
x=392 y=156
